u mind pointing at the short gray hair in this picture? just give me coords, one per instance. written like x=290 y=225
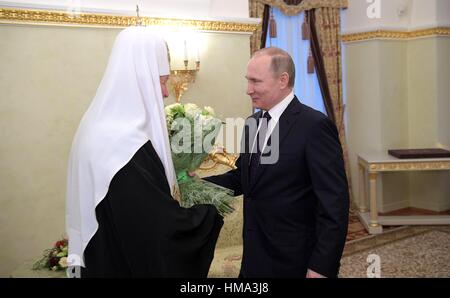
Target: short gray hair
x=281 y=62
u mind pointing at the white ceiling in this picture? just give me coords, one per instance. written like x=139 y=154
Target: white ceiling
x=165 y=8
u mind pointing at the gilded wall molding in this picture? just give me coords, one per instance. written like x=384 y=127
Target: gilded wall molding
x=396 y=35
x=61 y=18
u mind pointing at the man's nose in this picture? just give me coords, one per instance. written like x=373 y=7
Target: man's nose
x=250 y=90
x=165 y=93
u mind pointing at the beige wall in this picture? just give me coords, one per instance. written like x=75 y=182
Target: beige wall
x=429 y=116
x=377 y=111
x=443 y=103
x=49 y=76
x=443 y=90
x=362 y=99
x=423 y=87
x=394 y=119
x=398 y=96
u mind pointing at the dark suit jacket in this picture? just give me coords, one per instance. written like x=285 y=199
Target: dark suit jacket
x=296 y=210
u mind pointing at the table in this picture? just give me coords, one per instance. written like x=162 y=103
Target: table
x=375 y=164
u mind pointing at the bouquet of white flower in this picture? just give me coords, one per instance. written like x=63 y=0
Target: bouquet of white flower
x=192 y=134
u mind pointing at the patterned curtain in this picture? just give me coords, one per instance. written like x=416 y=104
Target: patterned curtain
x=259 y=10
x=326 y=30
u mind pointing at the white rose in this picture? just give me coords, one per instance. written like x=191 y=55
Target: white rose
x=209 y=111
x=174 y=105
x=169 y=110
x=63 y=262
x=205 y=120
x=191 y=110
x=210 y=123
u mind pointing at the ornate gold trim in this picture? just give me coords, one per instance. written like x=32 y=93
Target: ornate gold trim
x=45 y=17
x=374 y=167
x=395 y=35
x=410 y=166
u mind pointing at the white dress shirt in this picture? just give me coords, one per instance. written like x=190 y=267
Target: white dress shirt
x=275 y=114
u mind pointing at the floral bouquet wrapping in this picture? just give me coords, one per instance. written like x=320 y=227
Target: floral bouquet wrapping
x=192 y=133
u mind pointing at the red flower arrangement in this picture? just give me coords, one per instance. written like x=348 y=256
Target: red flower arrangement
x=54 y=258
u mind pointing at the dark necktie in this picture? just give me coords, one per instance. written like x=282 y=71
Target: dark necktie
x=255 y=159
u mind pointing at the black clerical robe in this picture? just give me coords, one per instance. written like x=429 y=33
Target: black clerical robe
x=143 y=232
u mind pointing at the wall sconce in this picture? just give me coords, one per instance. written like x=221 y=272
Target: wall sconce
x=181 y=78
x=179 y=81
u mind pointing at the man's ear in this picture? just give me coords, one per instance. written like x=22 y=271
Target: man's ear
x=284 y=80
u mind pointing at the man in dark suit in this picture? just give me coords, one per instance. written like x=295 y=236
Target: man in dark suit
x=296 y=207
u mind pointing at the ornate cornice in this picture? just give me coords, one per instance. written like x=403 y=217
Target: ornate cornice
x=292 y=10
x=395 y=35
x=46 y=17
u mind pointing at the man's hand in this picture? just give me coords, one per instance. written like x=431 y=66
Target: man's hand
x=312 y=274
